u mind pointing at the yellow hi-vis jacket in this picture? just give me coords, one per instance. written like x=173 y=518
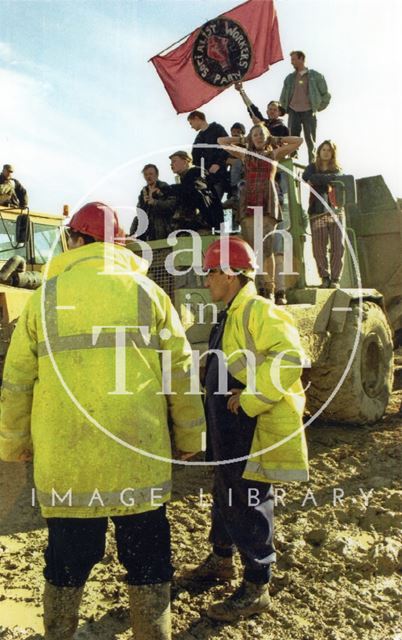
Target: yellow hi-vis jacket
x=269 y=363
x=82 y=387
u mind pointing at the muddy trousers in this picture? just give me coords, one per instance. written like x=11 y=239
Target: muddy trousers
x=243 y=517
x=75 y=545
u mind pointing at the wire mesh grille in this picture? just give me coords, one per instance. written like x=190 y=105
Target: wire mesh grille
x=159 y=274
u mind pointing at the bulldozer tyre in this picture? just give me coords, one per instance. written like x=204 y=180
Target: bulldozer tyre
x=363 y=397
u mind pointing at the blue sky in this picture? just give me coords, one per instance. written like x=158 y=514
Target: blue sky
x=81 y=109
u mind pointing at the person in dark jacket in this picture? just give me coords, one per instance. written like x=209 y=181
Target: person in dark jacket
x=211 y=159
x=12 y=193
x=158 y=203
x=236 y=171
x=197 y=205
x=274 y=122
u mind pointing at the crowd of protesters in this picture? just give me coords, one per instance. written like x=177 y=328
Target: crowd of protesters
x=244 y=167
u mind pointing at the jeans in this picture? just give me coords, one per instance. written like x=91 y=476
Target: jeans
x=309 y=121
x=243 y=519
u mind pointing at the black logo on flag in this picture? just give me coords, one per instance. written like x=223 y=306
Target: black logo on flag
x=222 y=52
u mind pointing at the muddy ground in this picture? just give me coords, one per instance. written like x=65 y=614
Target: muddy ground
x=337 y=571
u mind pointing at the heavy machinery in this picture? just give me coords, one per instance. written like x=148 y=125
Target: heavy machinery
x=27 y=240
x=347 y=333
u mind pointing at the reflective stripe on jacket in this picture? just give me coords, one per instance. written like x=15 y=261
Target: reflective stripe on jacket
x=84 y=388
x=274 y=394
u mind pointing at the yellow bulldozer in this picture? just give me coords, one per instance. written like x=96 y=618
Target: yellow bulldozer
x=27 y=241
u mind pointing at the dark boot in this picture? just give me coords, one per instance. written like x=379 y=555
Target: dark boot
x=150 y=611
x=60 y=611
x=247 y=600
x=213 y=568
x=266 y=293
x=325 y=282
x=280 y=298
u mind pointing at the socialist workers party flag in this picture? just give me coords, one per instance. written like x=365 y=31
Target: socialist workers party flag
x=238 y=45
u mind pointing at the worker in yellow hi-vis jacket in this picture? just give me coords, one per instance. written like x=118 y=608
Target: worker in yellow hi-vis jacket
x=83 y=395
x=254 y=406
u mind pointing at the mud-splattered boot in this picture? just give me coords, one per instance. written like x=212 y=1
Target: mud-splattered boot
x=213 y=569
x=150 y=611
x=60 y=611
x=246 y=601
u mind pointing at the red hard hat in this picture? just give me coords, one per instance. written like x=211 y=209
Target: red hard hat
x=241 y=255
x=96 y=218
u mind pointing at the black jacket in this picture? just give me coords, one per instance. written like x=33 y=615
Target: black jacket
x=211 y=155
x=321 y=182
x=159 y=214
x=274 y=126
x=197 y=204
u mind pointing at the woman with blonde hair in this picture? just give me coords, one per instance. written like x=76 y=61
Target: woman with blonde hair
x=326 y=218
x=259 y=193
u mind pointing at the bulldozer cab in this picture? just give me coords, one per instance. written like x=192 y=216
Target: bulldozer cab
x=27 y=241
x=33 y=236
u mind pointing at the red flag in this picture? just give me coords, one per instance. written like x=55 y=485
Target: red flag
x=238 y=45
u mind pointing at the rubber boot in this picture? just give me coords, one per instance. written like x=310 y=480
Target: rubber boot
x=60 y=611
x=213 y=568
x=247 y=600
x=150 y=611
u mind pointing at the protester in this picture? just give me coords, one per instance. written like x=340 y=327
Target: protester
x=274 y=123
x=304 y=93
x=276 y=127
x=209 y=158
x=260 y=191
x=157 y=202
x=236 y=171
x=254 y=429
x=98 y=429
x=326 y=226
x=197 y=205
x=12 y=193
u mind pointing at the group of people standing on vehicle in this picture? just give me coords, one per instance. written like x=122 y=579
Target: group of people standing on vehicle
x=245 y=167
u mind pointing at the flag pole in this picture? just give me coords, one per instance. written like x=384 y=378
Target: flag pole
x=170 y=46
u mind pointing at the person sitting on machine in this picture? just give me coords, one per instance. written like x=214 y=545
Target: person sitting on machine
x=12 y=193
x=157 y=202
x=197 y=205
